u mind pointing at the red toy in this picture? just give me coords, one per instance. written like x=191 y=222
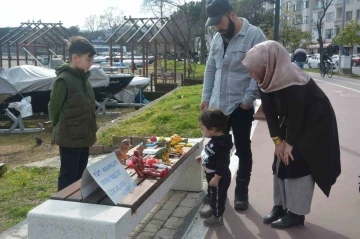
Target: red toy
x=153 y=138
x=143 y=172
x=150 y=161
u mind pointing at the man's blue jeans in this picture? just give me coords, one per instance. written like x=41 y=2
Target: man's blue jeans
x=300 y=64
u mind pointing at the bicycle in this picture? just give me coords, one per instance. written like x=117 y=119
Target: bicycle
x=328 y=70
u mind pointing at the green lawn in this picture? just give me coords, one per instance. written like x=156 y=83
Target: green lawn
x=22 y=189
x=176 y=113
x=197 y=68
x=335 y=72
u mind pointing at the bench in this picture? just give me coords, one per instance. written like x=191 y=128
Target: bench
x=68 y=215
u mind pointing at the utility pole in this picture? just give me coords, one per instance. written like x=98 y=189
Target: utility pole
x=342 y=27
x=202 y=33
x=277 y=20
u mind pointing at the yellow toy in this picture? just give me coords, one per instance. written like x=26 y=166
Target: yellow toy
x=176 y=139
x=178 y=149
x=163 y=153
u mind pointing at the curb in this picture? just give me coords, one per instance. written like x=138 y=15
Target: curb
x=189 y=219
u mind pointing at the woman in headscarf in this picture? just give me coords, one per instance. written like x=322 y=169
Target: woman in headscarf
x=303 y=126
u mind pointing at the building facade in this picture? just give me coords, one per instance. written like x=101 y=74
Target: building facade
x=306 y=13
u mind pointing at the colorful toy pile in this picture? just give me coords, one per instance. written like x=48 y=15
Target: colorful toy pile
x=164 y=149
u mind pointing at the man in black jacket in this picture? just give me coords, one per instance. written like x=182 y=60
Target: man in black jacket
x=300 y=57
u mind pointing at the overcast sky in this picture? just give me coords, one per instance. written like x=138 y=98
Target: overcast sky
x=70 y=12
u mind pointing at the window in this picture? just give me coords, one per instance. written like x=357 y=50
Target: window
x=338 y=13
x=319 y=4
x=337 y=30
x=348 y=16
x=328 y=33
x=288 y=6
x=305 y=20
x=315 y=17
x=305 y=4
x=297 y=6
x=358 y=15
x=329 y=16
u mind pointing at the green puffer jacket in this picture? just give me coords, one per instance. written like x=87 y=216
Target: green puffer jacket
x=72 y=108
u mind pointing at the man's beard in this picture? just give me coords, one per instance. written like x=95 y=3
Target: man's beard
x=229 y=33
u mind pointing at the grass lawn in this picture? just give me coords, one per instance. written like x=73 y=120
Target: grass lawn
x=19 y=149
x=198 y=68
x=176 y=113
x=317 y=70
x=335 y=72
x=21 y=190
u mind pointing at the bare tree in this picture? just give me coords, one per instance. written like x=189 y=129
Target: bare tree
x=158 y=7
x=255 y=12
x=324 y=4
x=111 y=18
x=92 y=23
x=187 y=9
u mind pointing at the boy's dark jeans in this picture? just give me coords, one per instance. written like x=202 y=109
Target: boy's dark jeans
x=240 y=121
x=73 y=164
x=217 y=195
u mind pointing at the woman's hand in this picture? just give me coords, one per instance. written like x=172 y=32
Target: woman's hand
x=287 y=154
x=279 y=151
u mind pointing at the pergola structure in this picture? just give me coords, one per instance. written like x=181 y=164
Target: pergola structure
x=148 y=31
x=32 y=36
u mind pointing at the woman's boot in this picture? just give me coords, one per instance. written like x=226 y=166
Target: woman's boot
x=290 y=220
x=276 y=213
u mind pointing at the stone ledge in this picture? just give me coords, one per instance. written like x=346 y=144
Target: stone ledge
x=3 y=169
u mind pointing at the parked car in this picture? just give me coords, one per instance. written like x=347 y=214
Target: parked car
x=335 y=59
x=314 y=61
x=355 y=60
x=307 y=58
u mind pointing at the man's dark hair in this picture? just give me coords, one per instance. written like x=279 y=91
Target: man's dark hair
x=214 y=118
x=80 y=46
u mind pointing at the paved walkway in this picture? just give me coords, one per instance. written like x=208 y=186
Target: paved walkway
x=336 y=217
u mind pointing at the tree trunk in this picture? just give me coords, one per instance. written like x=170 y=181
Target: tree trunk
x=320 y=40
x=351 y=64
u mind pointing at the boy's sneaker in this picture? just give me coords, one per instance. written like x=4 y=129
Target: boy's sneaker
x=206 y=212
x=206 y=200
x=214 y=221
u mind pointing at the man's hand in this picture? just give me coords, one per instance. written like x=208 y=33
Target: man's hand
x=245 y=107
x=204 y=106
x=198 y=159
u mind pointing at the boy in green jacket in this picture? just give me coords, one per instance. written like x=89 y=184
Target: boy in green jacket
x=72 y=111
